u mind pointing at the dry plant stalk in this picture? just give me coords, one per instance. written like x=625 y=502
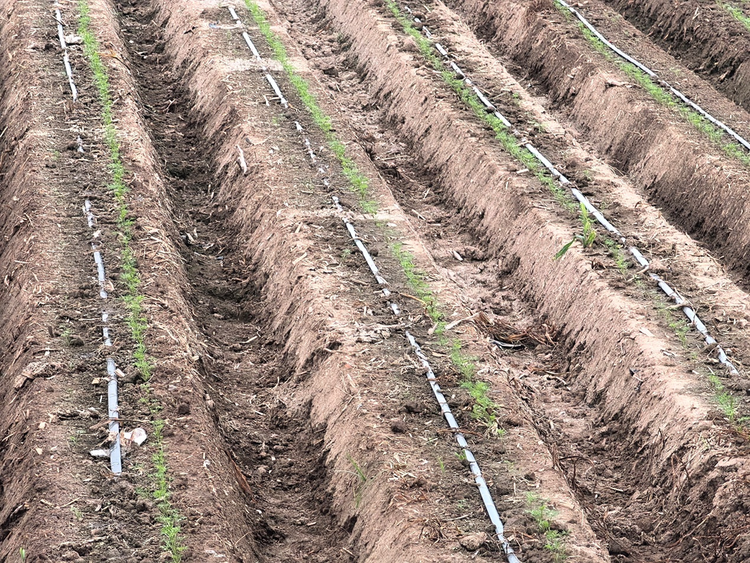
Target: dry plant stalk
x=505 y=332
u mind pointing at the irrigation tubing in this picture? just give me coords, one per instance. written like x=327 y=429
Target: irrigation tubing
x=484 y=490
x=653 y=75
x=687 y=310
x=66 y=57
x=113 y=412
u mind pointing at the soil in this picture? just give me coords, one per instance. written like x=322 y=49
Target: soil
x=689 y=178
x=703 y=35
x=297 y=422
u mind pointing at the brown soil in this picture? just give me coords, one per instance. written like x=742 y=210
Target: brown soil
x=703 y=35
x=398 y=111
x=406 y=480
x=691 y=180
x=298 y=425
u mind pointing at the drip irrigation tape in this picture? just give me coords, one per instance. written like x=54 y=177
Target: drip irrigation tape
x=250 y=44
x=707 y=115
x=728 y=130
x=66 y=58
x=484 y=490
x=688 y=311
x=277 y=90
x=113 y=412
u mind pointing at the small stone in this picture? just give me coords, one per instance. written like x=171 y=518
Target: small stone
x=472 y=542
x=412 y=408
x=619 y=546
x=143 y=505
x=399 y=427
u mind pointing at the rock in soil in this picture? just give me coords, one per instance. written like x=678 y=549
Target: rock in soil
x=472 y=542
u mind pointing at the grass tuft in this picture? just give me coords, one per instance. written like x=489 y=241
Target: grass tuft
x=736 y=13
x=362 y=480
x=169 y=517
x=615 y=250
x=727 y=402
x=543 y=516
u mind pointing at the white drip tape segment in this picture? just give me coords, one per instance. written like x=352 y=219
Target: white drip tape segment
x=639 y=258
x=66 y=58
x=484 y=491
x=728 y=130
x=113 y=411
x=547 y=164
x=277 y=90
x=482 y=98
x=457 y=70
x=251 y=45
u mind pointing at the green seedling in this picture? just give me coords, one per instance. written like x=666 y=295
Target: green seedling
x=77 y=513
x=589 y=232
x=586 y=239
x=66 y=334
x=543 y=516
x=615 y=250
x=736 y=13
x=169 y=517
x=465 y=364
x=75 y=436
x=361 y=481
x=553 y=542
x=727 y=402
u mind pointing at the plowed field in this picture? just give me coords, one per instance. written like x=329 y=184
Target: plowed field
x=377 y=281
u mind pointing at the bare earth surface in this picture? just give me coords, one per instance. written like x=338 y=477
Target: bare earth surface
x=288 y=417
